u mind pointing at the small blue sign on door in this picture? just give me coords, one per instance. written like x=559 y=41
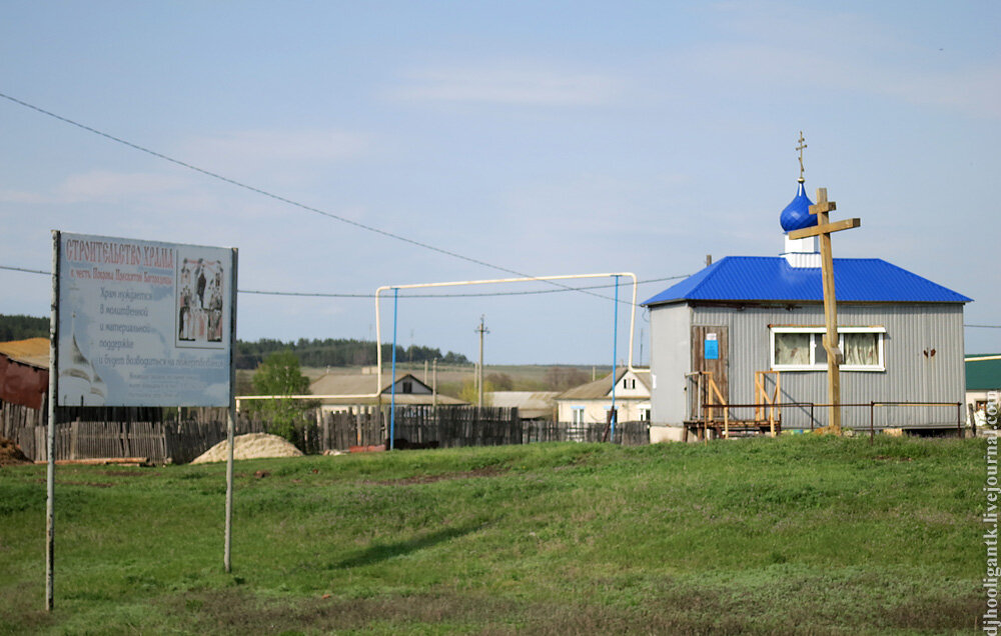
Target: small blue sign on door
x=711 y=347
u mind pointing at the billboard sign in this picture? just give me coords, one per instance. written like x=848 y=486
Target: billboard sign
x=143 y=323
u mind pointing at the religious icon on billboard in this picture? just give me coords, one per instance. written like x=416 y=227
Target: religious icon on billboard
x=200 y=302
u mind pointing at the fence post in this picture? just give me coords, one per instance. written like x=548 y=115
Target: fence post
x=872 y=426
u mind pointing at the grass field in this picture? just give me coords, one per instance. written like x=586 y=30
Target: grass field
x=801 y=534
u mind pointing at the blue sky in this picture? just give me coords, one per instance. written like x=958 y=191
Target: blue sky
x=543 y=138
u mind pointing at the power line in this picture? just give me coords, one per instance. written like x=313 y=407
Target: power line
x=479 y=295
x=484 y=294
x=345 y=295
x=280 y=198
x=22 y=269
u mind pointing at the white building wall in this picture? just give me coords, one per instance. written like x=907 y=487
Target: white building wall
x=596 y=411
x=670 y=360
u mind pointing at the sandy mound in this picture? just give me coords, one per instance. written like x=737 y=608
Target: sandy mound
x=251 y=446
x=10 y=453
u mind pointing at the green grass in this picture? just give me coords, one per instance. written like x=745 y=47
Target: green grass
x=796 y=535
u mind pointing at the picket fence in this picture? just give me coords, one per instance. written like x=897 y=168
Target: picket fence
x=413 y=427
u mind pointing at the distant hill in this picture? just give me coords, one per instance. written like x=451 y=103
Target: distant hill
x=22 y=327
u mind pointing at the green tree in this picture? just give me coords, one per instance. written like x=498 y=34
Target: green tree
x=280 y=375
x=469 y=392
x=23 y=327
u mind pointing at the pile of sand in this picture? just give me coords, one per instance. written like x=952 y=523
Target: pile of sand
x=10 y=453
x=251 y=446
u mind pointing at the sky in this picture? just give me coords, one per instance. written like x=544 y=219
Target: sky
x=396 y=143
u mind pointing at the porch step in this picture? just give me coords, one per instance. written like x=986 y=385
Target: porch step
x=737 y=428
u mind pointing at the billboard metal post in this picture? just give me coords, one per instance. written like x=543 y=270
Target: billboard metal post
x=230 y=422
x=50 y=477
x=392 y=391
x=615 y=356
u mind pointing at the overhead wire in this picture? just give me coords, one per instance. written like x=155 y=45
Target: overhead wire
x=347 y=295
x=283 y=199
x=24 y=269
x=331 y=215
x=484 y=294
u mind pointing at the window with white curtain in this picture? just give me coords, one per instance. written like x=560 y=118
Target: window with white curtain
x=796 y=348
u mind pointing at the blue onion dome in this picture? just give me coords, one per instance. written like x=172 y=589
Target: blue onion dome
x=796 y=215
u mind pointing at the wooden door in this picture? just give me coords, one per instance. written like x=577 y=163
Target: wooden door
x=711 y=352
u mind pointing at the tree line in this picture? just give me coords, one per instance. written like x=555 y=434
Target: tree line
x=329 y=352
x=22 y=327
x=337 y=352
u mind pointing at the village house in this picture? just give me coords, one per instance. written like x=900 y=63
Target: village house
x=24 y=385
x=359 y=392
x=24 y=373
x=531 y=405
x=590 y=403
x=983 y=385
x=754 y=321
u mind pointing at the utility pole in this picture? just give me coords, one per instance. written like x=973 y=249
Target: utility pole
x=482 y=329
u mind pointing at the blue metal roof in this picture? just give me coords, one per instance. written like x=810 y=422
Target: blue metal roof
x=771 y=278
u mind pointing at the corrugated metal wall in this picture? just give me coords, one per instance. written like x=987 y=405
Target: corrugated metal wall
x=670 y=360
x=911 y=375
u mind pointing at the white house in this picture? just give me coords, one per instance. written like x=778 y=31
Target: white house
x=591 y=402
x=359 y=392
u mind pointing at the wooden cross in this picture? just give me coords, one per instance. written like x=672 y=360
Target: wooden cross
x=823 y=229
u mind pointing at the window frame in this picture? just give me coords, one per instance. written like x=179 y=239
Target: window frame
x=817 y=343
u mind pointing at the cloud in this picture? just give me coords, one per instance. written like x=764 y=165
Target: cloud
x=774 y=46
x=274 y=147
x=22 y=197
x=99 y=186
x=604 y=208
x=509 y=85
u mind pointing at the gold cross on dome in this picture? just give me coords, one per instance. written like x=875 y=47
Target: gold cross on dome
x=800 y=148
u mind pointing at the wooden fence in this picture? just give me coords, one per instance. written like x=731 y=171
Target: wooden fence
x=415 y=427
x=626 y=433
x=18 y=423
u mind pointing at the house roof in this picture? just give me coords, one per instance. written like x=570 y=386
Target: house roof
x=402 y=399
x=771 y=278
x=530 y=404
x=33 y=351
x=356 y=384
x=363 y=384
x=983 y=372
x=601 y=387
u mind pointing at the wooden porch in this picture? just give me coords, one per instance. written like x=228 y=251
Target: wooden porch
x=710 y=413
